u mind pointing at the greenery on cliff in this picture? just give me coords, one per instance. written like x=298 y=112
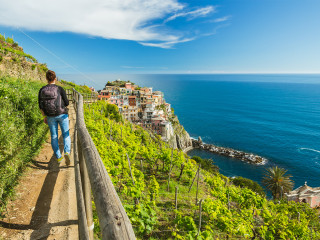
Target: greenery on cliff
x=228 y=211
x=10 y=50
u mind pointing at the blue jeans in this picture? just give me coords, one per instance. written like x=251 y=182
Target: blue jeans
x=63 y=121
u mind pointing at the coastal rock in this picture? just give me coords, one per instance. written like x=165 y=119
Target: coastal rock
x=228 y=152
x=180 y=138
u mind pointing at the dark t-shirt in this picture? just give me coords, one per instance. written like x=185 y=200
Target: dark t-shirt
x=61 y=92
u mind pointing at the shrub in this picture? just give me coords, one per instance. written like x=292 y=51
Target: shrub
x=248 y=183
x=43 y=67
x=10 y=40
x=69 y=85
x=206 y=164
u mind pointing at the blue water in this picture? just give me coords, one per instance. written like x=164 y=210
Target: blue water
x=275 y=116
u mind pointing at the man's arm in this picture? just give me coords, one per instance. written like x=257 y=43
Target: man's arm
x=64 y=96
x=39 y=99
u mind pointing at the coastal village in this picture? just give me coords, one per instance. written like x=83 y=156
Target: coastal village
x=141 y=106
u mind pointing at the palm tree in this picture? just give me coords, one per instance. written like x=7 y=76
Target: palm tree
x=277 y=181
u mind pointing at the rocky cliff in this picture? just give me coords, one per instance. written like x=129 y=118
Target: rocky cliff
x=23 y=69
x=16 y=63
x=181 y=138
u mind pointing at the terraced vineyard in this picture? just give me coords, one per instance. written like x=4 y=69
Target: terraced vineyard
x=165 y=197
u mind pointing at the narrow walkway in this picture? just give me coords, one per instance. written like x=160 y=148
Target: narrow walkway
x=45 y=206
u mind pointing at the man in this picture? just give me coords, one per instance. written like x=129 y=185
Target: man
x=53 y=104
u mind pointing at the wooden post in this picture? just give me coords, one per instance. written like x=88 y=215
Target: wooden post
x=182 y=167
x=170 y=170
x=130 y=168
x=82 y=217
x=200 y=216
x=163 y=165
x=198 y=183
x=86 y=192
x=110 y=130
x=141 y=165
x=176 y=202
x=136 y=201
x=228 y=201
x=193 y=180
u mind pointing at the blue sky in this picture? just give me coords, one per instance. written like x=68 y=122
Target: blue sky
x=168 y=36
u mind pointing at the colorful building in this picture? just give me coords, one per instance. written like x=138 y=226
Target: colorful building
x=305 y=194
x=140 y=105
x=132 y=101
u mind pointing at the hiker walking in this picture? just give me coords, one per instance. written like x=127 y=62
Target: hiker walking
x=53 y=104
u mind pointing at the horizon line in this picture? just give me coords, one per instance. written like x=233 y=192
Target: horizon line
x=213 y=73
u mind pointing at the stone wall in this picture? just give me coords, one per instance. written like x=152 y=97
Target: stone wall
x=21 y=69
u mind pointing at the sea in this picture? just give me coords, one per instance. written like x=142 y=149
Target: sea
x=274 y=116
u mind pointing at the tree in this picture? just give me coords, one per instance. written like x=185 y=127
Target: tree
x=277 y=181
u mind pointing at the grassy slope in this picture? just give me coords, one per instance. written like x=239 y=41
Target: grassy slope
x=227 y=210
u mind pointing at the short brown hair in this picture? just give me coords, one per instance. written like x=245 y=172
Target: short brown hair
x=50 y=76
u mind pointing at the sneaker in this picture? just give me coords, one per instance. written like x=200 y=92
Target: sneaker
x=67 y=156
x=60 y=160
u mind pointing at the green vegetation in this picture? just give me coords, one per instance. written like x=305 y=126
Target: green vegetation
x=248 y=183
x=207 y=164
x=9 y=46
x=10 y=40
x=277 y=182
x=118 y=83
x=228 y=211
x=22 y=130
x=70 y=85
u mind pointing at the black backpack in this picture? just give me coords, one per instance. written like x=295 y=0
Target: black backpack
x=50 y=100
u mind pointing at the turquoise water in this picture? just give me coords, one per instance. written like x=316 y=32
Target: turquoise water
x=275 y=116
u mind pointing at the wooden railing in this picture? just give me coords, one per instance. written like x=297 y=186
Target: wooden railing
x=91 y=176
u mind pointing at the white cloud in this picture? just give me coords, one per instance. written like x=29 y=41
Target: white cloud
x=110 y=19
x=222 y=19
x=167 y=44
x=201 y=12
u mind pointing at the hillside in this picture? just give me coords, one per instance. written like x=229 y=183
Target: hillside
x=15 y=62
x=228 y=211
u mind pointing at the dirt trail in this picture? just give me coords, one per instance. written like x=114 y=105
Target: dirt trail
x=45 y=206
